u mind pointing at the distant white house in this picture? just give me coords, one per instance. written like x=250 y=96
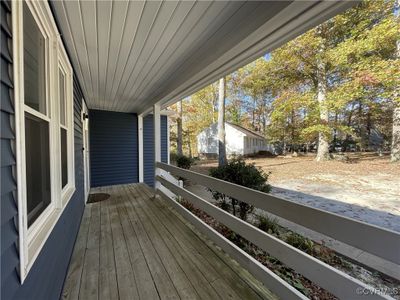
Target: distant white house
x=239 y=141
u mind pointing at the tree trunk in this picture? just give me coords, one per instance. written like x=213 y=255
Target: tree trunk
x=253 y=122
x=335 y=131
x=284 y=140
x=368 y=130
x=395 y=153
x=221 y=123
x=323 y=143
x=292 y=121
x=179 y=129
x=189 y=146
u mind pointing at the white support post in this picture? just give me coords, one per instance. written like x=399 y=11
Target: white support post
x=140 y=144
x=157 y=143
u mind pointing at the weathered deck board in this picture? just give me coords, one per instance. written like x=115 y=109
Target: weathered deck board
x=132 y=246
x=213 y=260
x=108 y=287
x=202 y=286
x=73 y=280
x=127 y=288
x=90 y=275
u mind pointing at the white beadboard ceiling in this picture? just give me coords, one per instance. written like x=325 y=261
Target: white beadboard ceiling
x=129 y=55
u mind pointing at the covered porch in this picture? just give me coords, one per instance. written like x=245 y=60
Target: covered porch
x=126 y=63
x=138 y=243
x=134 y=246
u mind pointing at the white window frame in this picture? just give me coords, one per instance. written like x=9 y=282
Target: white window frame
x=32 y=239
x=66 y=68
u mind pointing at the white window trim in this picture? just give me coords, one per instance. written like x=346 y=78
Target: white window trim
x=63 y=63
x=32 y=240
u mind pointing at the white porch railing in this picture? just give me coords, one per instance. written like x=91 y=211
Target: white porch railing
x=381 y=242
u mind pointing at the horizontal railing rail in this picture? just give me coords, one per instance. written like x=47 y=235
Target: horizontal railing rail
x=327 y=277
x=265 y=275
x=373 y=239
x=333 y=280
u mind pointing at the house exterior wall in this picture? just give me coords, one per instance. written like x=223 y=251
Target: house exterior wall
x=207 y=141
x=113 y=148
x=234 y=141
x=237 y=142
x=148 y=146
x=253 y=145
x=9 y=210
x=260 y=145
x=46 y=277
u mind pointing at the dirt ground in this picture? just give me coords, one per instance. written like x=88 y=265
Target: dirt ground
x=365 y=187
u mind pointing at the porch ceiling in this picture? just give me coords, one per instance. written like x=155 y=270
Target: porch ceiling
x=129 y=55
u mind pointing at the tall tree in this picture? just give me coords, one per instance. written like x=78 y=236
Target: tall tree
x=336 y=83
x=221 y=123
x=395 y=152
x=323 y=137
x=179 y=129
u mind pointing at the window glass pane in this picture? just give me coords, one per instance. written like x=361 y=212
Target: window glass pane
x=64 y=158
x=37 y=166
x=34 y=63
x=61 y=83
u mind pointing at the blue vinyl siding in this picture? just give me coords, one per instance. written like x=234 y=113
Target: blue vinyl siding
x=148 y=146
x=113 y=148
x=46 y=277
x=9 y=210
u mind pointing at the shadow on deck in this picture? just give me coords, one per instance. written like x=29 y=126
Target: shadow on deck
x=133 y=246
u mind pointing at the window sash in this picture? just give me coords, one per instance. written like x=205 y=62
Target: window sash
x=61 y=96
x=33 y=237
x=43 y=69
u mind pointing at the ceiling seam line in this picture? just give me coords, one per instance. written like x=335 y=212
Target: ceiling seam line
x=147 y=36
x=84 y=41
x=108 y=55
x=158 y=58
x=119 y=51
x=74 y=45
x=188 y=33
x=206 y=40
x=130 y=50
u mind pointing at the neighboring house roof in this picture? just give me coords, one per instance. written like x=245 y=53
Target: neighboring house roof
x=246 y=131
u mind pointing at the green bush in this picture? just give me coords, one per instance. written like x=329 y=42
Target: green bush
x=300 y=242
x=184 y=162
x=267 y=224
x=238 y=171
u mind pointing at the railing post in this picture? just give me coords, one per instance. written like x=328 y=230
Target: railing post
x=140 y=144
x=157 y=143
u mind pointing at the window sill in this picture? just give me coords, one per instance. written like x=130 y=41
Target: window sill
x=67 y=194
x=42 y=232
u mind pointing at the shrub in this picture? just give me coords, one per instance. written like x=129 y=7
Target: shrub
x=267 y=224
x=300 y=242
x=238 y=171
x=184 y=162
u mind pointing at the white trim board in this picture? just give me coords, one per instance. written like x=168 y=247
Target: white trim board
x=32 y=239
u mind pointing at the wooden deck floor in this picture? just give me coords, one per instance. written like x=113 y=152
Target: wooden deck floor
x=133 y=246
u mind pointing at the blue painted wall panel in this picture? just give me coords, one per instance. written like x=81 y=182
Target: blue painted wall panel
x=9 y=211
x=113 y=148
x=148 y=146
x=46 y=277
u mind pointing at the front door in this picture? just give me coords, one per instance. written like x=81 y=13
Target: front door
x=85 y=149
